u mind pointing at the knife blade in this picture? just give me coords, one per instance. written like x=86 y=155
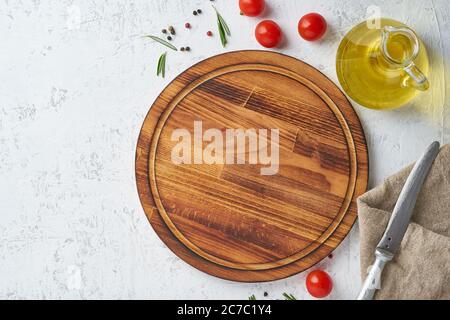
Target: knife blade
x=398 y=224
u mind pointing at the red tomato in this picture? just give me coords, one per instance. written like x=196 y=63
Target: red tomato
x=312 y=27
x=268 y=33
x=252 y=8
x=319 y=284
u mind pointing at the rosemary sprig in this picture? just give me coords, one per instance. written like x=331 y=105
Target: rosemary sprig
x=161 y=69
x=223 y=37
x=163 y=42
x=222 y=26
x=252 y=297
x=289 y=296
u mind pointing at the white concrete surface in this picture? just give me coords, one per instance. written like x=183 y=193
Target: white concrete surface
x=77 y=79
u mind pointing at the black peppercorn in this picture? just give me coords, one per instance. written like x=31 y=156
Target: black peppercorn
x=199 y=11
x=265 y=294
x=182 y=48
x=169 y=38
x=194 y=13
x=187 y=49
x=164 y=31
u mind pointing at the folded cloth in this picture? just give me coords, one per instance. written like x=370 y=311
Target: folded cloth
x=421 y=268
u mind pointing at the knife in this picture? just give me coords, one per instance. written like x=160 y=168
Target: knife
x=398 y=224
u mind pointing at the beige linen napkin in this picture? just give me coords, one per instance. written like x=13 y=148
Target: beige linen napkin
x=421 y=268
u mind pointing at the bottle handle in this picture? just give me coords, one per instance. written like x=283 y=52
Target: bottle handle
x=416 y=77
x=419 y=81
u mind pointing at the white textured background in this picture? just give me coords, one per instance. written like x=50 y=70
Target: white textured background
x=76 y=81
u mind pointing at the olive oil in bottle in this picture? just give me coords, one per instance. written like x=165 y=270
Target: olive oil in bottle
x=382 y=68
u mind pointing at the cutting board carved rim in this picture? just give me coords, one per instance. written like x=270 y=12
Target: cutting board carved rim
x=167 y=230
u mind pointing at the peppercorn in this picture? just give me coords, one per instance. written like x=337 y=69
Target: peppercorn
x=265 y=294
x=164 y=31
x=194 y=13
x=187 y=49
x=182 y=48
x=199 y=11
x=209 y=33
x=169 y=38
x=187 y=25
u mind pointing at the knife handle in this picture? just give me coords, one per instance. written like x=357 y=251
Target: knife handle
x=373 y=279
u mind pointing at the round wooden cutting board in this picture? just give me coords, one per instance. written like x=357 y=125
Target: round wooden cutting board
x=258 y=219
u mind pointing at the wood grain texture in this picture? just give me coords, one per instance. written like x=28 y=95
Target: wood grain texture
x=229 y=220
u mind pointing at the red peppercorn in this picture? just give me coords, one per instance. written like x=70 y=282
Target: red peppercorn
x=187 y=25
x=209 y=33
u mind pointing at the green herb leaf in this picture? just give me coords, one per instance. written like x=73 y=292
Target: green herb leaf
x=224 y=24
x=252 y=297
x=161 y=68
x=163 y=42
x=158 y=68
x=289 y=296
x=223 y=28
x=223 y=37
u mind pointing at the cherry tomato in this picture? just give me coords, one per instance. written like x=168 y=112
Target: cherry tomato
x=268 y=33
x=312 y=27
x=319 y=284
x=252 y=8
